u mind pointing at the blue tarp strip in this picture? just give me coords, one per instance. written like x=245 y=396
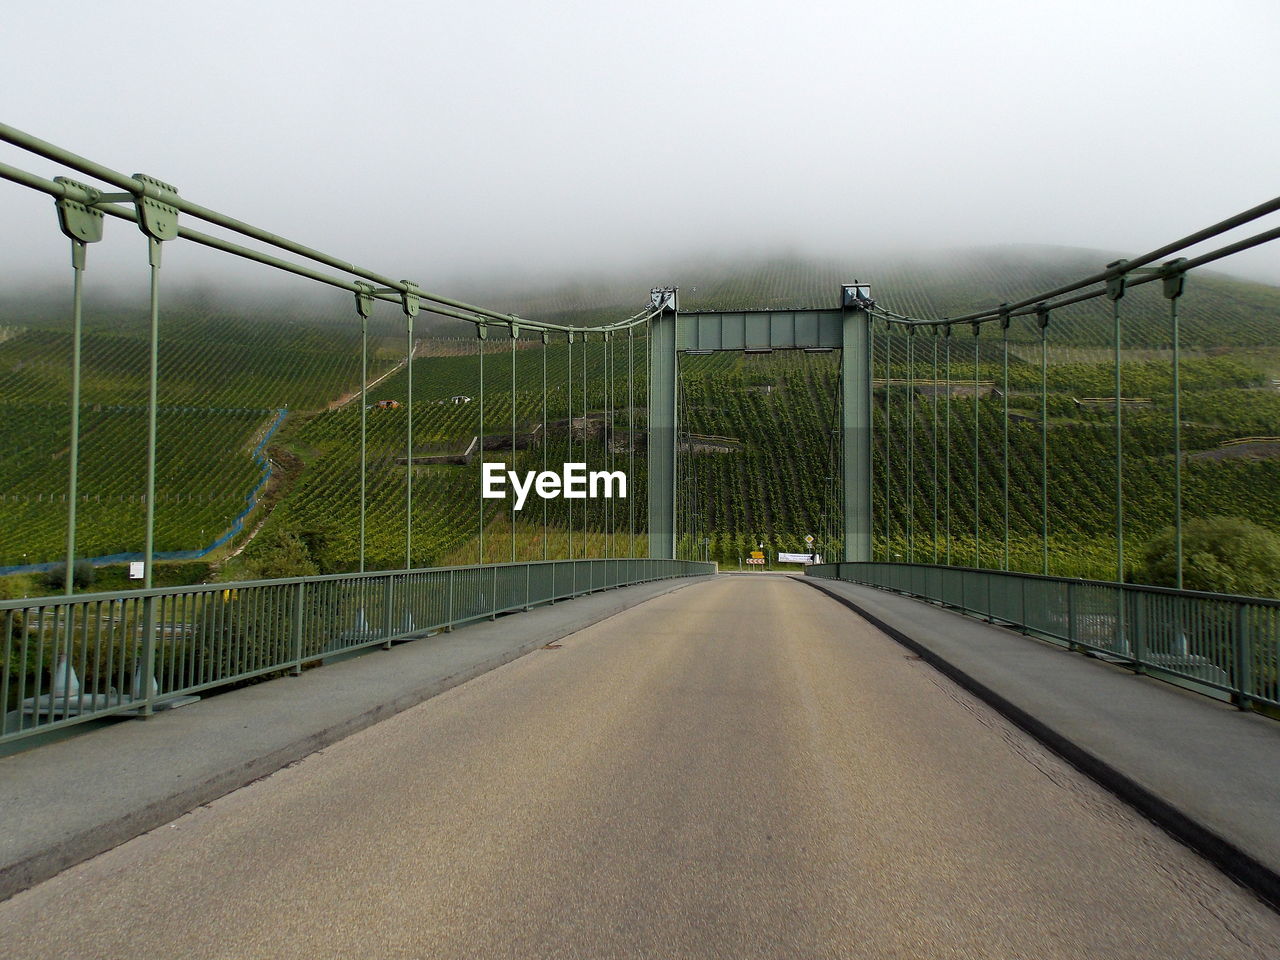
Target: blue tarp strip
x=237 y=524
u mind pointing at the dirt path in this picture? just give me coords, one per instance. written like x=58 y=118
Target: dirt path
x=332 y=405
x=346 y=398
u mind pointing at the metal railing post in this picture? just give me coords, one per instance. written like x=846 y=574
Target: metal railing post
x=298 y=600
x=388 y=625
x=1138 y=646
x=1071 y=617
x=449 y=606
x=1244 y=659
x=147 y=666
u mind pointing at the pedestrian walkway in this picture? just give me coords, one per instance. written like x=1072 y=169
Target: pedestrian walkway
x=1204 y=770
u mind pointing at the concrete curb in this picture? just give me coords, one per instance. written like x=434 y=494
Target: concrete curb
x=1164 y=812
x=38 y=866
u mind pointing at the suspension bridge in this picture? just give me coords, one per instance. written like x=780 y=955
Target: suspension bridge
x=934 y=736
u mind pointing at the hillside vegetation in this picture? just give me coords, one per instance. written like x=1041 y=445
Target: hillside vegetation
x=225 y=374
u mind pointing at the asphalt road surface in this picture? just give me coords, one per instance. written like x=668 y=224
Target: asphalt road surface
x=741 y=768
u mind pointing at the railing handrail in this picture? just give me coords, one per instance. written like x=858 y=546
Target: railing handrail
x=1138 y=587
x=106 y=596
x=65 y=660
x=1221 y=645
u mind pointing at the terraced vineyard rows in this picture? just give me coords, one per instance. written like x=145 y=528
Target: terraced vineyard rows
x=761 y=445
x=447 y=510
x=222 y=379
x=780 y=408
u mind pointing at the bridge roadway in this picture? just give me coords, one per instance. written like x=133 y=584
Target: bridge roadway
x=742 y=768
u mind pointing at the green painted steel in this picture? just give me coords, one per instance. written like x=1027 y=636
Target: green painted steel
x=409 y=306
x=1173 y=286
x=911 y=444
x=977 y=452
x=855 y=389
x=157 y=206
x=364 y=307
x=1004 y=455
x=67 y=660
x=663 y=361
x=933 y=443
x=946 y=333
x=1042 y=321
x=568 y=381
x=1115 y=292
x=482 y=334
x=761 y=330
x=514 y=330
x=631 y=436
x=1227 y=647
x=82 y=225
x=153 y=387
x=586 y=502
x=545 y=339
x=888 y=435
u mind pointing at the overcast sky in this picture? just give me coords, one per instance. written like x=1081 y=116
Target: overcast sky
x=432 y=139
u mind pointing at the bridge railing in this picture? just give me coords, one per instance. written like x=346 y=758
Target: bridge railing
x=71 y=659
x=1223 y=646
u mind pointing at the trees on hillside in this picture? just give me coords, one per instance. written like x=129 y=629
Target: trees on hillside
x=1220 y=554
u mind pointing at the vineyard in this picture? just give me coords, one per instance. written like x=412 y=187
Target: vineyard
x=770 y=475
x=447 y=513
x=223 y=379
x=777 y=488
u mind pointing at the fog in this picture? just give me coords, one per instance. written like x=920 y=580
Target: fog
x=495 y=142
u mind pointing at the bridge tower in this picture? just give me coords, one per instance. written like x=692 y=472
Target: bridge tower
x=846 y=328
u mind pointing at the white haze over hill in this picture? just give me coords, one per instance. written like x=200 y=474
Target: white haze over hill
x=496 y=145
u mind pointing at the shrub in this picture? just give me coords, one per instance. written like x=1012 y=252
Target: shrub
x=82 y=575
x=1220 y=554
x=280 y=554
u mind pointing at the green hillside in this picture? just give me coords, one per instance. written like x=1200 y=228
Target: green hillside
x=225 y=374
x=223 y=379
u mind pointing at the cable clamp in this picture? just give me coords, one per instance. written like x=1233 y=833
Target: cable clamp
x=1116 y=279
x=157 y=208
x=1174 y=278
x=77 y=218
x=410 y=298
x=364 y=299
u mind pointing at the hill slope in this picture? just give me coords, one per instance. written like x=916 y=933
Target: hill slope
x=224 y=374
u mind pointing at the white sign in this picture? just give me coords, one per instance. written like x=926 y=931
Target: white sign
x=795 y=558
x=809 y=540
x=754 y=560
x=137 y=570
